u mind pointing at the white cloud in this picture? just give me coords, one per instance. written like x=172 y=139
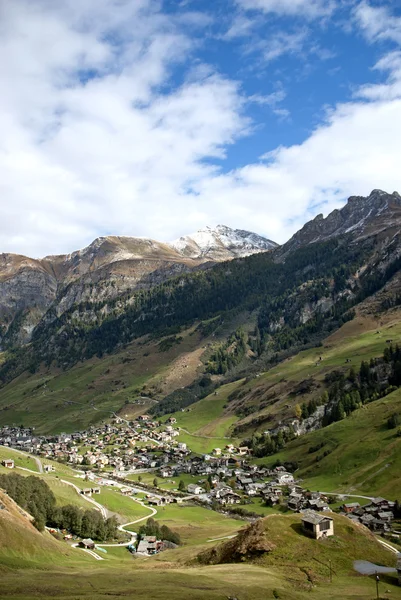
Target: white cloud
x=378 y=23
x=114 y=153
x=241 y=26
x=282 y=42
x=308 y=9
x=356 y=151
x=98 y=139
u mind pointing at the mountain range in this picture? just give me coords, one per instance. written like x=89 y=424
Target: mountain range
x=113 y=265
x=106 y=268
x=119 y=294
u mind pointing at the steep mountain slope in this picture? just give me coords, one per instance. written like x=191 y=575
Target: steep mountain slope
x=222 y=243
x=22 y=545
x=102 y=272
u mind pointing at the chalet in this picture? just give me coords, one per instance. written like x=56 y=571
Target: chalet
x=242 y=450
x=126 y=491
x=351 y=507
x=143 y=418
x=154 y=501
x=271 y=499
x=172 y=420
x=87 y=491
x=192 y=488
x=96 y=490
x=317 y=526
x=182 y=446
x=88 y=544
x=8 y=463
x=295 y=502
x=243 y=481
x=166 y=472
x=229 y=497
x=48 y=468
x=318 y=505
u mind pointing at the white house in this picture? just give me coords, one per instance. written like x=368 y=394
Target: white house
x=317 y=525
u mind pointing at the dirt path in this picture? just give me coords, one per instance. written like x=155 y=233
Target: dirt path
x=346 y=495
x=90 y=552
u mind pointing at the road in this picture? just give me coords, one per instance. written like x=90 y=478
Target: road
x=388 y=546
x=345 y=495
x=99 y=506
x=131 y=533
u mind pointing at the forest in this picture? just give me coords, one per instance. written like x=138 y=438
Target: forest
x=319 y=272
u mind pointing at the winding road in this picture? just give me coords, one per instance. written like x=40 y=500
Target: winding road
x=99 y=506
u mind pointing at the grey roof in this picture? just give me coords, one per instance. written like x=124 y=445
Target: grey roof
x=88 y=542
x=310 y=516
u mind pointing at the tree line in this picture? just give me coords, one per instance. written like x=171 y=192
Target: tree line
x=34 y=495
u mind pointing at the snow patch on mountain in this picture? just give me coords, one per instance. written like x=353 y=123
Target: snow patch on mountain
x=220 y=242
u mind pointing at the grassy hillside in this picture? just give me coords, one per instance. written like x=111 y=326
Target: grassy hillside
x=197 y=525
x=20 y=460
x=271 y=396
x=53 y=400
x=364 y=456
x=296 y=569
x=22 y=546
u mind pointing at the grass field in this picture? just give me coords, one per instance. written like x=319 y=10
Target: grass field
x=20 y=460
x=126 y=507
x=204 y=445
x=197 y=525
x=206 y=416
x=170 y=483
x=296 y=569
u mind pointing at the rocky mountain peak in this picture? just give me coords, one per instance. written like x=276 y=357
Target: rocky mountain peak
x=362 y=216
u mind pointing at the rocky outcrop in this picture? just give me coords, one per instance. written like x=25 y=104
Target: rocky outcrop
x=248 y=544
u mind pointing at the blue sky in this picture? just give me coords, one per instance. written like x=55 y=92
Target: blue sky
x=151 y=118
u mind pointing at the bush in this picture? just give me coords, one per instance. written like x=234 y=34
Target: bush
x=393 y=421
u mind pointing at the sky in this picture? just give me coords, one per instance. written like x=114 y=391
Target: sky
x=156 y=118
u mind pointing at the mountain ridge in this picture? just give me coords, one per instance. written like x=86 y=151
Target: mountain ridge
x=361 y=215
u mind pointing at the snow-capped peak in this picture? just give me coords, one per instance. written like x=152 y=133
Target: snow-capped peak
x=221 y=243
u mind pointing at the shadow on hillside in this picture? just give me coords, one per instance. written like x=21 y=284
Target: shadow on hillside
x=297 y=527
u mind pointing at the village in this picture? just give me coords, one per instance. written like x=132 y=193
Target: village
x=125 y=453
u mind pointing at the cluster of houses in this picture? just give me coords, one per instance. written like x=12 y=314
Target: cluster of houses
x=378 y=514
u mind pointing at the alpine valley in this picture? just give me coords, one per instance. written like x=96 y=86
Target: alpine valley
x=197 y=396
